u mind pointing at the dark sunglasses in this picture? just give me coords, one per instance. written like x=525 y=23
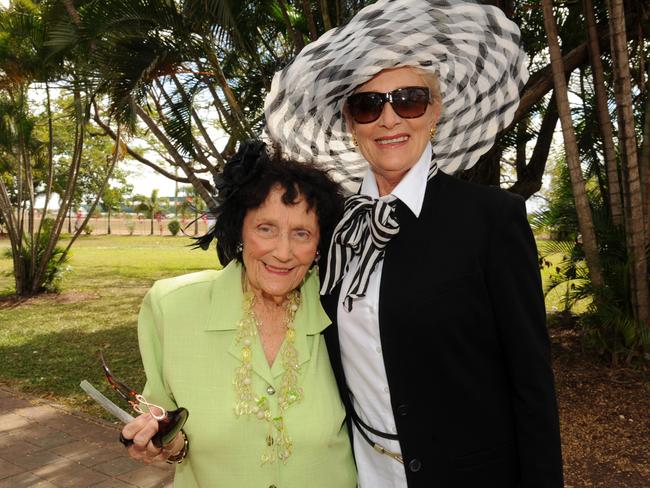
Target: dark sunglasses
x=169 y=423
x=409 y=103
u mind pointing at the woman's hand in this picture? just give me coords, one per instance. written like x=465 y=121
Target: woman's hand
x=141 y=430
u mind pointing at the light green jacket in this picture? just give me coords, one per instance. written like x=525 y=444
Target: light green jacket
x=186 y=332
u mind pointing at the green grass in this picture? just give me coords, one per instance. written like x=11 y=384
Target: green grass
x=48 y=344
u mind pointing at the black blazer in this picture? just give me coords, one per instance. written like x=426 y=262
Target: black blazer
x=465 y=345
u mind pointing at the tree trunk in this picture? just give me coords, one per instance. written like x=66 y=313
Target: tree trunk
x=530 y=180
x=604 y=120
x=296 y=36
x=636 y=224
x=178 y=159
x=138 y=157
x=227 y=91
x=306 y=10
x=585 y=220
x=199 y=124
x=541 y=82
x=644 y=165
x=325 y=13
x=66 y=199
x=50 y=158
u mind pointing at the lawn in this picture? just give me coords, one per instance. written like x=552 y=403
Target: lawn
x=49 y=344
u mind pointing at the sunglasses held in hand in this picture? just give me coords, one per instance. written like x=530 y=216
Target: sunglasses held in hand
x=409 y=103
x=169 y=423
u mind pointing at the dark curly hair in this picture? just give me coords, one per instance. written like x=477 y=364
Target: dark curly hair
x=298 y=180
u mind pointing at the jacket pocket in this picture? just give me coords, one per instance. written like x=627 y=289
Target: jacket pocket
x=477 y=459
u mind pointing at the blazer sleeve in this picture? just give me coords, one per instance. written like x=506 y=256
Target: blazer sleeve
x=150 y=341
x=514 y=284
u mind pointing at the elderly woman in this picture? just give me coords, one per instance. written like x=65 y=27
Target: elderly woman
x=241 y=348
x=439 y=347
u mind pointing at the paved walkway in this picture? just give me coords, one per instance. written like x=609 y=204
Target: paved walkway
x=46 y=446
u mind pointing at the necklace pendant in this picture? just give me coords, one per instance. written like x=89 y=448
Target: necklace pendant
x=287 y=393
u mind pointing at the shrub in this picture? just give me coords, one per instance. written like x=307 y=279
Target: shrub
x=88 y=229
x=56 y=266
x=174 y=226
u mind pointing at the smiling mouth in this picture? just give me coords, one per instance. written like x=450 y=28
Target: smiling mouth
x=276 y=270
x=392 y=140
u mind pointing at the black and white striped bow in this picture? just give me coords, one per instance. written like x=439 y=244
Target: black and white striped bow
x=367 y=226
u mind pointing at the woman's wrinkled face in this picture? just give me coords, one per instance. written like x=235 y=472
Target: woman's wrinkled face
x=392 y=145
x=280 y=243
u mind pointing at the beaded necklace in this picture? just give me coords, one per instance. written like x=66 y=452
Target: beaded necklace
x=278 y=442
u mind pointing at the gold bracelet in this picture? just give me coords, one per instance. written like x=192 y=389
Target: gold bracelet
x=180 y=456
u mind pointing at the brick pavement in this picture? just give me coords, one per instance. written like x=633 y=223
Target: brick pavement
x=44 y=445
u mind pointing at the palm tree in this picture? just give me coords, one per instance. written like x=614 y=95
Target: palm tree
x=30 y=154
x=602 y=113
x=151 y=206
x=194 y=203
x=111 y=200
x=585 y=219
x=632 y=188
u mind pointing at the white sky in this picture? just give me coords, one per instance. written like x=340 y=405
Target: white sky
x=144 y=180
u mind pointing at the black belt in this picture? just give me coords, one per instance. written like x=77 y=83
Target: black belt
x=362 y=427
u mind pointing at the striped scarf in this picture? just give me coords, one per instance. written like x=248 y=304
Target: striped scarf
x=367 y=226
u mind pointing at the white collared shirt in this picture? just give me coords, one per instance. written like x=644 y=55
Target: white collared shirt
x=361 y=352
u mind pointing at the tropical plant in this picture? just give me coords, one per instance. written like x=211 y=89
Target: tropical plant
x=56 y=264
x=39 y=161
x=192 y=203
x=111 y=201
x=151 y=206
x=190 y=78
x=608 y=324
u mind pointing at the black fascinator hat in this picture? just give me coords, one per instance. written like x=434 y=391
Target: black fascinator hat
x=239 y=171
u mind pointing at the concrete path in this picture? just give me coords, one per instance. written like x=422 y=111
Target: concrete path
x=44 y=445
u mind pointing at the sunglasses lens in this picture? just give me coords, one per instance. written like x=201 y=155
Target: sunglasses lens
x=169 y=427
x=365 y=107
x=410 y=103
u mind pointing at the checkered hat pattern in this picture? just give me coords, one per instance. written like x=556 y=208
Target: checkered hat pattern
x=473 y=49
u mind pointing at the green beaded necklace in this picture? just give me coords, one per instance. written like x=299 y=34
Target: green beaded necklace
x=278 y=442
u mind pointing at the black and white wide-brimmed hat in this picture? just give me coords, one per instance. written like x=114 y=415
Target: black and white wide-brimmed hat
x=473 y=49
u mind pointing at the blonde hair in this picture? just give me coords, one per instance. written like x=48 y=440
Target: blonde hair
x=431 y=80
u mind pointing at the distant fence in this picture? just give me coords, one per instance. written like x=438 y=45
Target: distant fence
x=121 y=225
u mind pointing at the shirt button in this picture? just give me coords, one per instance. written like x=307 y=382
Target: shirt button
x=270 y=390
x=402 y=410
x=386 y=389
x=415 y=465
x=378 y=349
